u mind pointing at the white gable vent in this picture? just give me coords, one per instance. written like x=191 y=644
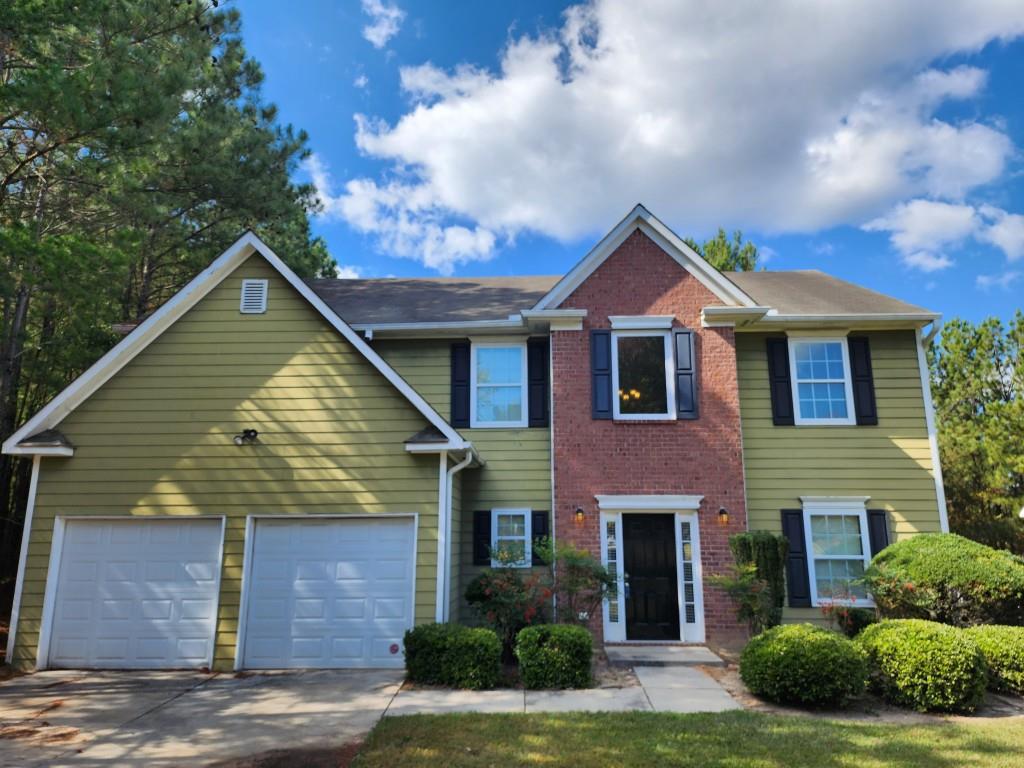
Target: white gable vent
x=254 y=297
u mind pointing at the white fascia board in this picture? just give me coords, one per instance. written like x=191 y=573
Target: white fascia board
x=861 y=320
x=667 y=501
x=642 y=219
x=41 y=450
x=463 y=326
x=129 y=347
x=729 y=317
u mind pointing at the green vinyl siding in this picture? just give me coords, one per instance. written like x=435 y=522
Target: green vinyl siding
x=455 y=569
x=156 y=440
x=890 y=462
x=517 y=472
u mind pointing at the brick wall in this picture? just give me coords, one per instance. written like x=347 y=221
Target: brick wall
x=702 y=457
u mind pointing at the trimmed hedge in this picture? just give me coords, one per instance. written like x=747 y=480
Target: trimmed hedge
x=1003 y=649
x=925 y=666
x=554 y=656
x=804 y=665
x=947 y=578
x=453 y=655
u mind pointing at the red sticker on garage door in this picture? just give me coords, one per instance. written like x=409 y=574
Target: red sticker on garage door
x=394 y=648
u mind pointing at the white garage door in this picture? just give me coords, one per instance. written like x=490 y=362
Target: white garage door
x=329 y=593
x=136 y=594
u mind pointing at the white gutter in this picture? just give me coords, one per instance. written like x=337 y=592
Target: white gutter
x=444 y=527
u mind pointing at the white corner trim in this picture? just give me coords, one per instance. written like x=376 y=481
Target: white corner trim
x=129 y=347
x=648 y=501
x=642 y=219
x=640 y=322
x=26 y=533
x=835 y=502
x=933 y=438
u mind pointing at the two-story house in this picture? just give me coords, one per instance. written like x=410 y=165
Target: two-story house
x=275 y=473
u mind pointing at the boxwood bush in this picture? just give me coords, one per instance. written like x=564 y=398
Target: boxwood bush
x=554 y=656
x=804 y=665
x=925 y=666
x=1003 y=649
x=450 y=654
x=947 y=578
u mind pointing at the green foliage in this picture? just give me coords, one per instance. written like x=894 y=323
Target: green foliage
x=1003 y=649
x=453 y=655
x=766 y=552
x=977 y=377
x=725 y=254
x=947 y=578
x=925 y=666
x=804 y=665
x=554 y=656
x=849 y=620
x=508 y=601
x=750 y=595
x=579 y=579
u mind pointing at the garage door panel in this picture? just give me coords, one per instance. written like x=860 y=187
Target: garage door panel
x=329 y=593
x=136 y=594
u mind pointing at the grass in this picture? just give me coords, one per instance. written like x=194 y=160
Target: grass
x=730 y=740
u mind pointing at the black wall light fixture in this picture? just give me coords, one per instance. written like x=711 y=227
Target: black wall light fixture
x=246 y=437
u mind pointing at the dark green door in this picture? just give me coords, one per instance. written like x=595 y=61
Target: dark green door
x=652 y=596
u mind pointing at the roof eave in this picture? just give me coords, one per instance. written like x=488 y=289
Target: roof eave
x=878 y=320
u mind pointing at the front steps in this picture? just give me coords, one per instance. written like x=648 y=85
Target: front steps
x=629 y=655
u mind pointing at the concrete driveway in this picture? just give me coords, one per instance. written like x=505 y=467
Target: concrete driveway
x=183 y=718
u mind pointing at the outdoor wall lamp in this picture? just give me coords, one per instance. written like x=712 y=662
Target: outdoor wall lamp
x=246 y=437
x=723 y=516
x=580 y=514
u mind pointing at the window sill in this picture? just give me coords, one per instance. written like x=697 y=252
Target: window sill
x=844 y=604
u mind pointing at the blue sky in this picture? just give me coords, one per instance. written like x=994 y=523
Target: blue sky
x=879 y=142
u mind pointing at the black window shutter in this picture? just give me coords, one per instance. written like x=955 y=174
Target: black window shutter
x=538 y=530
x=798 y=585
x=601 y=374
x=537 y=381
x=482 y=537
x=460 y=384
x=863 y=381
x=779 y=383
x=878 y=530
x=684 y=346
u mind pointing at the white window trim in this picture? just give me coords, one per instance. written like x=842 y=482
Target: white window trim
x=528 y=538
x=474 y=423
x=851 y=416
x=854 y=507
x=670 y=379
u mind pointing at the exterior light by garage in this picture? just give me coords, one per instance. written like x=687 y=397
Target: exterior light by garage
x=246 y=437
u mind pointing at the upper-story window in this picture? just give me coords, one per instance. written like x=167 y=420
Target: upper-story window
x=498 y=384
x=822 y=388
x=642 y=375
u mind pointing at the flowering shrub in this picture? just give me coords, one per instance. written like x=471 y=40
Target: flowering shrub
x=508 y=601
x=849 y=619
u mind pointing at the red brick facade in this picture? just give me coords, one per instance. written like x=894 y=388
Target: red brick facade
x=702 y=457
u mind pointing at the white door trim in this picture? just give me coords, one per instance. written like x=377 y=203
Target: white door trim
x=53 y=573
x=247 y=558
x=616 y=632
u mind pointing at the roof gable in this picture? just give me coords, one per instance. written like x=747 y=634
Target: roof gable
x=149 y=330
x=640 y=218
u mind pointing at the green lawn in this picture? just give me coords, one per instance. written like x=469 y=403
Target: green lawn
x=735 y=739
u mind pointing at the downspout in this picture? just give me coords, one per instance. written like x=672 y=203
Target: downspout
x=446 y=596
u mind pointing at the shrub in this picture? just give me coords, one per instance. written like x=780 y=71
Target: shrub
x=1003 y=649
x=580 y=581
x=803 y=664
x=767 y=553
x=947 y=578
x=924 y=665
x=507 y=601
x=554 y=656
x=450 y=654
x=849 y=620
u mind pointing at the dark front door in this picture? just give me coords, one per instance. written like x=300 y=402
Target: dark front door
x=652 y=593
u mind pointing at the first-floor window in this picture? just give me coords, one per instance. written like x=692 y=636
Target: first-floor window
x=840 y=552
x=510 y=538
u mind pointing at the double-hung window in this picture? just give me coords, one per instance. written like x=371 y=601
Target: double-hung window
x=643 y=381
x=822 y=385
x=510 y=538
x=839 y=552
x=498 y=384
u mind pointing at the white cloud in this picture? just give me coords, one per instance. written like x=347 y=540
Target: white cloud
x=385 y=21
x=1006 y=231
x=762 y=116
x=346 y=272
x=1003 y=281
x=361 y=82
